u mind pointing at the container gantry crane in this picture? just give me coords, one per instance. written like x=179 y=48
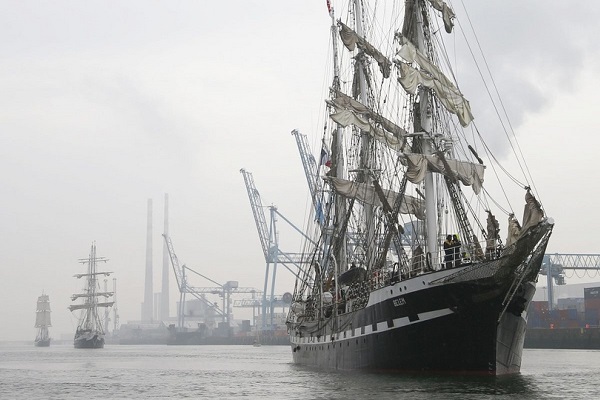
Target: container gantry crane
x=554 y=265
x=223 y=290
x=269 y=241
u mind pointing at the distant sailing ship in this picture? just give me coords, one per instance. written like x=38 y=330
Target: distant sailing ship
x=379 y=289
x=42 y=321
x=90 y=332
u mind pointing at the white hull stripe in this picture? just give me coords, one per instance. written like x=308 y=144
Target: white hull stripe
x=381 y=327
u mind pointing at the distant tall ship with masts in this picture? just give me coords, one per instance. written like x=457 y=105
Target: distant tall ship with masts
x=42 y=321
x=90 y=331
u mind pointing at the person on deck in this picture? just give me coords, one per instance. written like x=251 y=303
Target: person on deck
x=449 y=252
x=456 y=248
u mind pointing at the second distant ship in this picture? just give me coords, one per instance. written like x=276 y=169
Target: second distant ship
x=90 y=332
x=42 y=321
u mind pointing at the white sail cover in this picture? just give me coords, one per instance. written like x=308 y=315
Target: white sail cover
x=366 y=194
x=431 y=77
x=533 y=213
x=352 y=112
x=514 y=230
x=78 y=295
x=470 y=174
x=348 y=117
x=90 y=305
x=343 y=101
x=447 y=13
x=351 y=40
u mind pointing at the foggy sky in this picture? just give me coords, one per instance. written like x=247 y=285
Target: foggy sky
x=104 y=105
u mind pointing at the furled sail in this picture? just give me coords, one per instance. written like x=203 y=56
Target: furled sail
x=351 y=39
x=348 y=117
x=366 y=194
x=352 y=112
x=343 y=101
x=447 y=13
x=431 y=77
x=90 y=305
x=514 y=230
x=470 y=174
x=533 y=213
x=493 y=233
x=78 y=295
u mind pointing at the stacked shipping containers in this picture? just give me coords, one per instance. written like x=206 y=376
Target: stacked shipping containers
x=591 y=298
x=570 y=312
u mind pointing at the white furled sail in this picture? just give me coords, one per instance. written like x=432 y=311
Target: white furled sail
x=468 y=173
x=431 y=77
x=367 y=194
x=352 y=40
x=447 y=13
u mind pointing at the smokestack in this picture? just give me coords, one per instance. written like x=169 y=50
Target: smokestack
x=164 y=297
x=147 y=306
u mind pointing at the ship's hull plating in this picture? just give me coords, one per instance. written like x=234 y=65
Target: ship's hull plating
x=93 y=341
x=42 y=343
x=446 y=328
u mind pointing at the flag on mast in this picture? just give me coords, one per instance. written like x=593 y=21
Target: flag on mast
x=325 y=158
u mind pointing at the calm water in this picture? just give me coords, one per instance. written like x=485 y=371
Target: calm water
x=231 y=372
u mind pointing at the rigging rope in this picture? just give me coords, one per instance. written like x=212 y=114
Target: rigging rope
x=526 y=172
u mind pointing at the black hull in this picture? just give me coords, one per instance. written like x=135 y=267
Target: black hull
x=42 y=343
x=467 y=320
x=95 y=342
x=457 y=338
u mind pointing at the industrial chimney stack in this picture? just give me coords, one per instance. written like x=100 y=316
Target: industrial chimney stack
x=147 y=306
x=164 y=297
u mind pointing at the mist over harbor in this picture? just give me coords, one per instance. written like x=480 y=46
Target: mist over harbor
x=105 y=108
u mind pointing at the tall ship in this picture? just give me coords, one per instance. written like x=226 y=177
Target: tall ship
x=405 y=267
x=42 y=321
x=90 y=331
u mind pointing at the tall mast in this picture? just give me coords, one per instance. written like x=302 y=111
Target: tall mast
x=337 y=153
x=426 y=124
x=365 y=166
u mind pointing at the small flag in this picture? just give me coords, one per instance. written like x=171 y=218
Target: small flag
x=329 y=6
x=325 y=158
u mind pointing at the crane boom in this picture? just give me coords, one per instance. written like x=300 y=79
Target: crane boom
x=177 y=269
x=257 y=211
x=315 y=184
x=555 y=264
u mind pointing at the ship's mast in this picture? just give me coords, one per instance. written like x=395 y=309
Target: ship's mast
x=427 y=147
x=337 y=154
x=365 y=165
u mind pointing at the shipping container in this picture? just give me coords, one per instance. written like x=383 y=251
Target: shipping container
x=591 y=293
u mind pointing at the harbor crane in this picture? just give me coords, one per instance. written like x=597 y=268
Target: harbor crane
x=554 y=266
x=269 y=241
x=223 y=290
x=311 y=169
